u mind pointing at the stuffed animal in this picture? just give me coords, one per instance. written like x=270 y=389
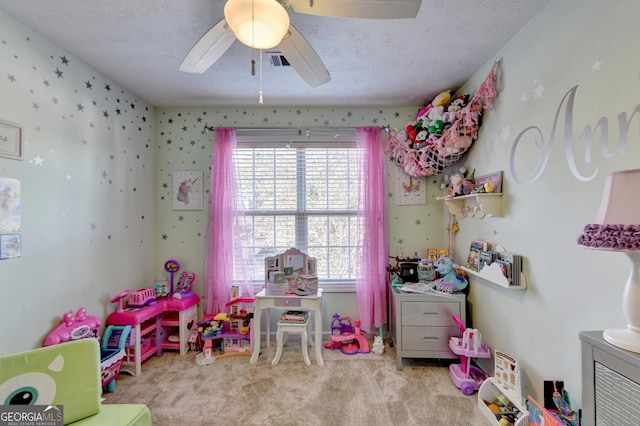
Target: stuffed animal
x=421 y=139
x=442 y=99
x=450 y=280
x=452 y=110
x=378 y=345
x=453 y=182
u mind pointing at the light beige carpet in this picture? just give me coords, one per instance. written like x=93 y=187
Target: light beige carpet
x=361 y=389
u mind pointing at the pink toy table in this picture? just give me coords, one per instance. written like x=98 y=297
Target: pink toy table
x=150 y=324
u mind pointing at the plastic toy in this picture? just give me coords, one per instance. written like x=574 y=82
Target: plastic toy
x=82 y=326
x=142 y=297
x=226 y=333
x=465 y=376
x=112 y=353
x=184 y=285
x=346 y=337
x=171 y=266
x=73 y=327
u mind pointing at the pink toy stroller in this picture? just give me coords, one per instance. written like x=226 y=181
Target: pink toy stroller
x=464 y=375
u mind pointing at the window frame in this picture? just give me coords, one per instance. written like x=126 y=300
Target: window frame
x=279 y=142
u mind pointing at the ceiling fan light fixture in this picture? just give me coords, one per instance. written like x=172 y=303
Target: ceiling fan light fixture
x=260 y=24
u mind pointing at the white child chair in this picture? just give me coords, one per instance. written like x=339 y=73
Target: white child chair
x=293 y=327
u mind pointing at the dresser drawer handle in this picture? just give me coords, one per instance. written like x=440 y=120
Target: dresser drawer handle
x=429 y=313
x=430 y=338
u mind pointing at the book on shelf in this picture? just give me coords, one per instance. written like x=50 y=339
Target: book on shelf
x=294 y=316
x=515 y=263
x=481 y=256
x=487 y=257
x=476 y=247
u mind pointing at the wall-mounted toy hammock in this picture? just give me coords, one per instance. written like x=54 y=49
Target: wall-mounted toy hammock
x=442 y=131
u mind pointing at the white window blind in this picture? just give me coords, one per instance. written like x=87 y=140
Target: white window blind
x=302 y=195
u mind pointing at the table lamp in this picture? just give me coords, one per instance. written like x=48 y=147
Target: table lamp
x=617 y=228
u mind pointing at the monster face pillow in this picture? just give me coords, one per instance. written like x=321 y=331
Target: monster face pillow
x=67 y=374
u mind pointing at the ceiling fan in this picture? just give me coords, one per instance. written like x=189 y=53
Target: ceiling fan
x=245 y=19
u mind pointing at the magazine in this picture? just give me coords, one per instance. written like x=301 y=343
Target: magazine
x=294 y=316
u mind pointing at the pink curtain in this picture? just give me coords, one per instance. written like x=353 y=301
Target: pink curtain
x=371 y=285
x=223 y=223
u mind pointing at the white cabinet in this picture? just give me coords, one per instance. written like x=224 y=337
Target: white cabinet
x=610 y=383
x=421 y=324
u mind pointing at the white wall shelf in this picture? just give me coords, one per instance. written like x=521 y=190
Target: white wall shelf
x=476 y=205
x=493 y=274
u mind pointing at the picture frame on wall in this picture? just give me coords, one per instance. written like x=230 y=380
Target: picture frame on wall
x=10 y=140
x=188 y=190
x=410 y=190
x=495 y=178
x=10 y=218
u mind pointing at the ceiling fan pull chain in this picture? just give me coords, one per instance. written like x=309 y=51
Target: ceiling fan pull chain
x=260 y=98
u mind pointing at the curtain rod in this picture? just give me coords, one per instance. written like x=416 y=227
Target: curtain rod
x=301 y=131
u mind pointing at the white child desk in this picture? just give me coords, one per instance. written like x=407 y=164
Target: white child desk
x=282 y=302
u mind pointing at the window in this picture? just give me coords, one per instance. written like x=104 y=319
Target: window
x=302 y=195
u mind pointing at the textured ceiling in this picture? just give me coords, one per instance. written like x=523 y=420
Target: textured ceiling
x=140 y=44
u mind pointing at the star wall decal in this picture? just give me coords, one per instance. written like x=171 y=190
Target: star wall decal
x=596 y=65
x=505 y=134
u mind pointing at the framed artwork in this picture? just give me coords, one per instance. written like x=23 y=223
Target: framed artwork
x=495 y=178
x=10 y=218
x=410 y=190
x=188 y=190
x=10 y=140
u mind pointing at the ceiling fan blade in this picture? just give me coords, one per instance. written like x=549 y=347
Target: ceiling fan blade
x=208 y=49
x=365 y=9
x=303 y=59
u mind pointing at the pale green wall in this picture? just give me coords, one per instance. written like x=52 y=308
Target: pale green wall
x=88 y=210
x=87 y=207
x=590 y=44
x=182 y=146
x=66 y=265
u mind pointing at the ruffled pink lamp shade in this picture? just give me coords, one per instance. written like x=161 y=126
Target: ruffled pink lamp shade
x=617 y=228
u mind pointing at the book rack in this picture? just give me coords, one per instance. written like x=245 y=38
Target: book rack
x=493 y=274
x=496 y=267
